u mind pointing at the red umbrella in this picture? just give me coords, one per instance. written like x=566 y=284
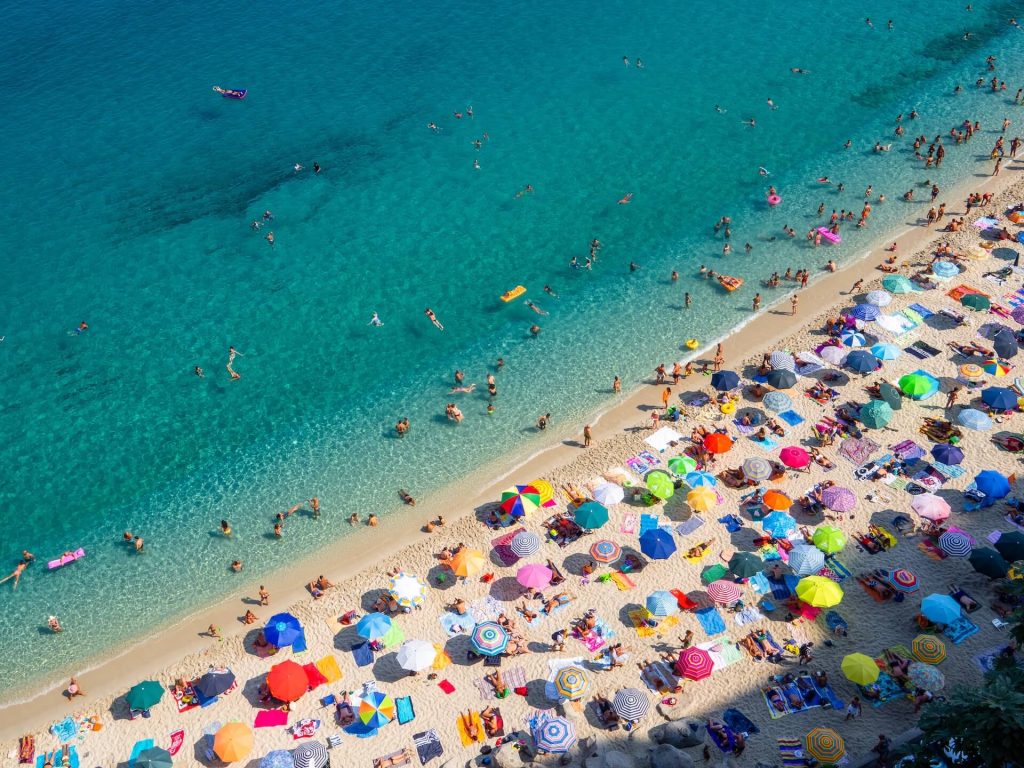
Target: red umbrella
x=724 y=591
x=695 y=663
x=795 y=457
x=716 y=442
x=287 y=681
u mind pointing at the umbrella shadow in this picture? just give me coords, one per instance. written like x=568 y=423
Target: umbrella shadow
x=507 y=589
x=458 y=649
x=486 y=512
x=536 y=697
x=624 y=612
x=676 y=509
x=387 y=670
x=441 y=578
x=250 y=691
x=370 y=597
x=574 y=563
x=348 y=639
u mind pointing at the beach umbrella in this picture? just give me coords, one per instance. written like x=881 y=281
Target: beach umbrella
x=214 y=683
x=782 y=361
x=717 y=442
x=662 y=603
x=972 y=418
x=931 y=507
x=545 y=490
x=520 y=500
x=591 y=515
x=745 y=564
x=876 y=414
x=886 y=351
x=682 y=464
x=723 y=381
x=862 y=361
x=778 y=525
x=829 y=539
x=407 y=590
x=879 y=298
x=1018 y=314
x=1005 y=344
x=605 y=551
x=776 y=500
x=282 y=630
x=700 y=480
x=525 y=544
x=468 y=562
x=824 y=745
x=702 y=499
x=610 y=493
x=631 y=704
x=941 y=609
x=144 y=695
x=757 y=469
x=838 y=499
x=819 y=591
x=657 y=544
x=287 y=681
x=795 y=457
x=903 y=580
x=976 y=301
x=891 y=395
x=376 y=710
x=996 y=368
x=233 y=742
x=373 y=626
x=865 y=312
x=1011 y=546
x=660 y=484
x=1000 y=398
x=806 y=560
x=955 y=543
x=534 y=576
x=915 y=385
x=489 y=638
x=993 y=484
x=925 y=676
x=833 y=354
x=777 y=402
x=859 y=668
x=781 y=379
x=944 y=453
x=416 y=655
x=154 y=757
x=554 y=734
x=724 y=591
x=970 y=372
x=991 y=330
x=852 y=338
x=898 y=284
x=312 y=754
x=928 y=648
x=989 y=563
x=945 y=269
x=279 y=758
x=695 y=663
x=571 y=683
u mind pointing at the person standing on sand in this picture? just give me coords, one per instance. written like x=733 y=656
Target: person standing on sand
x=74 y=689
x=264 y=596
x=665 y=396
x=792 y=304
x=951 y=397
x=588 y=436
x=856 y=286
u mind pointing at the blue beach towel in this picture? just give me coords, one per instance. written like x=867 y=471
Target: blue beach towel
x=299 y=646
x=689 y=525
x=65 y=730
x=428 y=746
x=792 y=418
x=73 y=760
x=739 y=722
x=922 y=310
x=768 y=444
x=731 y=523
x=139 y=748
x=779 y=589
x=451 y=620
x=841 y=571
x=711 y=621
x=834 y=620
x=405 y=710
x=760 y=584
x=362 y=654
x=829 y=695
x=960 y=629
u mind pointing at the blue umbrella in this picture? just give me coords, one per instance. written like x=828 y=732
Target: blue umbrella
x=993 y=484
x=945 y=269
x=662 y=603
x=778 y=524
x=700 y=479
x=886 y=351
x=947 y=454
x=657 y=544
x=862 y=361
x=781 y=379
x=1000 y=398
x=724 y=381
x=777 y=402
x=865 y=312
x=853 y=338
x=942 y=609
x=373 y=626
x=972 y=418
x=282 y=630
x=1020 y=238
x=1005 y=344
x=806 y=560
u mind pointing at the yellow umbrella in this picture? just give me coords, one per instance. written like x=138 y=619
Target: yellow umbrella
x=702 y=498
x=819 y=591
x=974 y=253
x=971 y=371
x=233 y=742
x=547 y=493
x=825 y=745
x=860 y=668
x=468 y=562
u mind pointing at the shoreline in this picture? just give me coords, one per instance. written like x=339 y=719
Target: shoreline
x=456 y=501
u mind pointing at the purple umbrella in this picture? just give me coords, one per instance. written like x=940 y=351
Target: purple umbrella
x=838 y=499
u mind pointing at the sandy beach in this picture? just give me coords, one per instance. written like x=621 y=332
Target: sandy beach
x=184 y=652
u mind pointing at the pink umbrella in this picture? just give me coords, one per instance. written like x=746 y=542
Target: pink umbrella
x=695 y=663
x=931 y=507
x=534 y=576
x=839 y=499
x=795 y=457
x=724 y=591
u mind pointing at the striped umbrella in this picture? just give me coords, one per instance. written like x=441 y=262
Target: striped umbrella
x=545 y=490
x=903 y=580
x=376 y=710
x=525 y=544
x=724 y=591
x=805 y=560
x=534 y=576
x=695 y=663
x=777 y=402
x=926 y=676
x=825 y=745
x=955 y=543
x=520 y=500
x=757 y=469
x=489 y=638
x=778 y=524
x=839 y=499
x=700 y=480
x=631 y=704
x=682 y=465
x=777 y=500
x=662 y=603
x=853 y=338
x=610 y=493
x=865 y=312
x=795 y=457
x=879 y=298
x=312 y=754
x=373 y=626
x=554 y=734
x=605 y=551
x=407 y=590
x=782 y=361
x=571 y=683
x=928 y=648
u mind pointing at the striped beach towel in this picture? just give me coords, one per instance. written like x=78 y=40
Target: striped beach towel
x=428 y=746
x=792 y=753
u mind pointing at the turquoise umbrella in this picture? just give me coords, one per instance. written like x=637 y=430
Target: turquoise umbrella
x=876 y=414
x=591 y=515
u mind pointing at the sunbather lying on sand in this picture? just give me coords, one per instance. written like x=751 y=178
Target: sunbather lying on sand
x=491 y=720
x=775 y=699
x=562 y=598
x=699 y=550
x=605 y=712
x=399 y=758
x=469 y=725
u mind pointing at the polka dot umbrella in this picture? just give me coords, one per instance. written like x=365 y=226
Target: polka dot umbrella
x=825 y=745
x=695 y=663
x=928 y=648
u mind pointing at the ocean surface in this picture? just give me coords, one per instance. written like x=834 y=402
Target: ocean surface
x=130 y=189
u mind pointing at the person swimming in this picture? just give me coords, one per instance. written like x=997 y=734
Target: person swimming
x=433 y=318
x=763 y=171
x=628 y=197
x=719 y=110
x=467 y=388
x=549 y=292
x=375 y=321
x=535 y=308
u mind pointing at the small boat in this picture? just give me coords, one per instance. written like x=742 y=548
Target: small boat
x=67 y=557
x=829 y=235
x=515 y=293
x=231 y=93
x=730 y=283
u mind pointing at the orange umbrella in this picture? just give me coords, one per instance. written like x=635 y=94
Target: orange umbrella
x=468 y=562
x=716 y=442
x=233 y=742
x=777 y=500
x=287 y=681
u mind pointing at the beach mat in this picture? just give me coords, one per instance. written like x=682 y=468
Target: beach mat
x=362 y=654
x=428 y=746
x=714 y=573
x=73 y=759
x=960 y=629
x=792 y=418
x=622 y=581
x=689 y=525
x=792 y=753
x=502 y=548
x=710 y=621
x=464 y=734
x=270 y=718
x=739 y=722
x=406 y=712
x=779 y=589
x=329 y=668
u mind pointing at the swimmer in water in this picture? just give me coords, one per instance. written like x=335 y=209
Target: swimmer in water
x=433 y=318
x=198 y=372
x=232 y=352
x=719 y=110
x=626 y=199
x=466 y=389
x=625 y=60
x=752 y=123
x=763 y=171
x=549 y=292
x=375 y=321
x=799 y=71
x=16 y=574
x=82 y=328
x=535 y=308
x=771 y=104
x=297 y=167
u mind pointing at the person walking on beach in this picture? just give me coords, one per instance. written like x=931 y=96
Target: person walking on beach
x=951 y=397
x=792 y=304
x=264 y=596
x=853 y=710
x=856 y=286
x=588 y=436
x=665 y=396
x=617 y=385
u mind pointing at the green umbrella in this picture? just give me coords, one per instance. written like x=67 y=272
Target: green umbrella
x=915 y=385
x=898 y=284
x=976 y=301
x=876 y=414
x=144 y=695
x=746 y=564
x=154 y=757
x=660 y=485
x=682 y=465
x=828 y=539
x=591 y=515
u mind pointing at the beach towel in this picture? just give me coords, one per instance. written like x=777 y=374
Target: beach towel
x=643 y=629
x=689 y=525
x=464 y=736
x=759 y=583
x=177 y=741
x=502 y=548
x=363 y=654
x=270 y=718
x=65 y=730
x=597 y=637
x=792 y=418
x=650 y=522
x=724 y=739
x=960 y=629
x=628 y=524
x=732 y=523
x=710 y=621
x=780 y=591
x=299 y=646
x=486 y=689
x=888 y=690
x=858 y=450
x=394 y=760
x=744 y=429
x=328 y=667
x=985 y=222
x=637 y=465
x=748 y=615
x=446 y=686
x=26 y=749
x=73 y=759
x=739 y=722
x=792 y=753
x=768 y=444
x=659 y=677
x=428 y=746
x=829 y=695
x=714 y=573
x=305 y=729
x=698 y=557
x=662 y=439
x=918 y=353
x=405 y=710
x=622 y=581
x=313 y=675
x=454 y=624
x=773 y=712
x=908 y=450
x=485 y=609
x=921 y=309
x=723 y=652
x=650 y=458
x=137 y=749
x=836 y=570
x=833 y=620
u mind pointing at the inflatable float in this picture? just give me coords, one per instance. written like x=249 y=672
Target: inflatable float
x=774 y=200
x=730 y=283
x=832 y=237
x=231 y=93
x=66 y=558
x=515 y=293
x=691 y=344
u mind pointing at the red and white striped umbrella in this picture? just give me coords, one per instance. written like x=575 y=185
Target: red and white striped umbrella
x=724 y=591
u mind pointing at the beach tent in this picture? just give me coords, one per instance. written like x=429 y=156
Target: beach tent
x=287 y=681
x=282 y=630
x=233 y=742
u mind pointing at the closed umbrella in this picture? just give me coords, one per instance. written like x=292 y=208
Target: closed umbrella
x=407 y=590
x=945 y=269
x=778 y=525
x=999 y=398
x=931 y=507
x=829 y=539
x=468 y=562
x=724 y=591
x=806 y=560
x=876 y=414
x=865 y=312
x=825 y=745
x=660 y=484
x=700 y=480
x=489 y=638
x=1011 y=546
x=781 y=379
x=534 y=576
x=657 y=544
x=682 y=465
x=702 y=499
x=903 y=580
x=233 y=742
x=416 y=655
x=777 y=402
x=757 y=469
x=989 y=563
x=282 y=630
x=839 y=499
x=695 y=663
x=571 y=683
x=819 y=591
x=154 y=757
x=941 y=609
x=745 y=564
x=944 y=453
x=723 y=381
x=859 y=668
x=312 y=754
x=782 y=361
x=891 y=395
x=1005 y=344
x=898 y=284
x=926 y=677
x=955 y=543
x=520 y=500
x=591 y=515
x=974 y=419
x=144 y=695
x=795 y=457
x=716 y=442
x=976 y=301
x=853 y=338
x=833 y=354
x=862 y=361
x=605 y=551
x=631 y=704
x=662 y=603
x=287 y=681
x=554 y=734
x=373 y=626
x=525 y=544
x=993 y=484
x=928 y=648
x=879 y=298
x=886 y=351
x=610 y=493
x=214 y=683
x=376 y=710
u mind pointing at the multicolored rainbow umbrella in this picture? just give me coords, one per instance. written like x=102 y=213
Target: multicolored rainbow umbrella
x=928 y=648
x=520 y=500
x=605 y=551
x=903 y=580
x=376 y=710
x=489 y=638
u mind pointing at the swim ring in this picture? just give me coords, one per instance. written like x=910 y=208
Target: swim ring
x=774 y=199
x=728 y=408
x=692 y=344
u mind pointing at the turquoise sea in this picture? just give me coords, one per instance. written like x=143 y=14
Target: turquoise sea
x=130 y=187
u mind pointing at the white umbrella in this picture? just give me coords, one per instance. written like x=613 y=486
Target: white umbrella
x=833 y=355
x=416 y=655
x=608 y=494
x=407 y=589
x=879 y=298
